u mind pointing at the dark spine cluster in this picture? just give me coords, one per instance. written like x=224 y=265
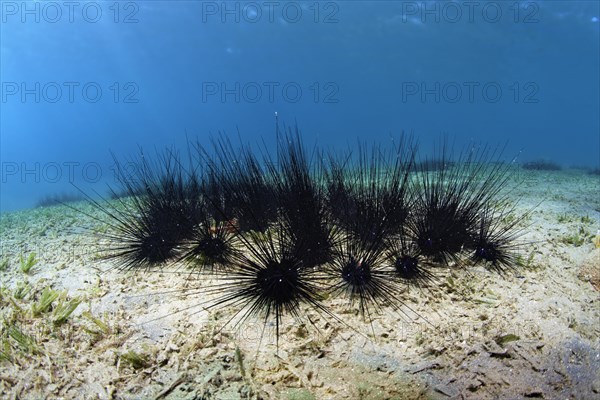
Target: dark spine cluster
x=284 y=231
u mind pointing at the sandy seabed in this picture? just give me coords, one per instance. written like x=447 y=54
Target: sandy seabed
x=534 y=333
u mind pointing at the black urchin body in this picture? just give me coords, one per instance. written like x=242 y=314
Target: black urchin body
x=494 y=243
x=359 y=272
x=160 y=212
x=450 y=201
x=301 y=200
x=404 y=257
x=212 y=246
x=269 y=279
x=370 y=207
x=407 y=267
x=440 y=230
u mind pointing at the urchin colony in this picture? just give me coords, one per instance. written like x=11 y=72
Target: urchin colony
x=277 y=233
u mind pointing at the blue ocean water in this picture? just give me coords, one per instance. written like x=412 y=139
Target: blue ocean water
x=82 y=79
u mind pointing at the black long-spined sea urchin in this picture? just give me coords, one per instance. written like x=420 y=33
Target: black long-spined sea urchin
x=282 y=232
x=494 y=243
x=250 y=195
x=301 y=200
x=269 y=279
x=157 y=213
x=450 y=199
